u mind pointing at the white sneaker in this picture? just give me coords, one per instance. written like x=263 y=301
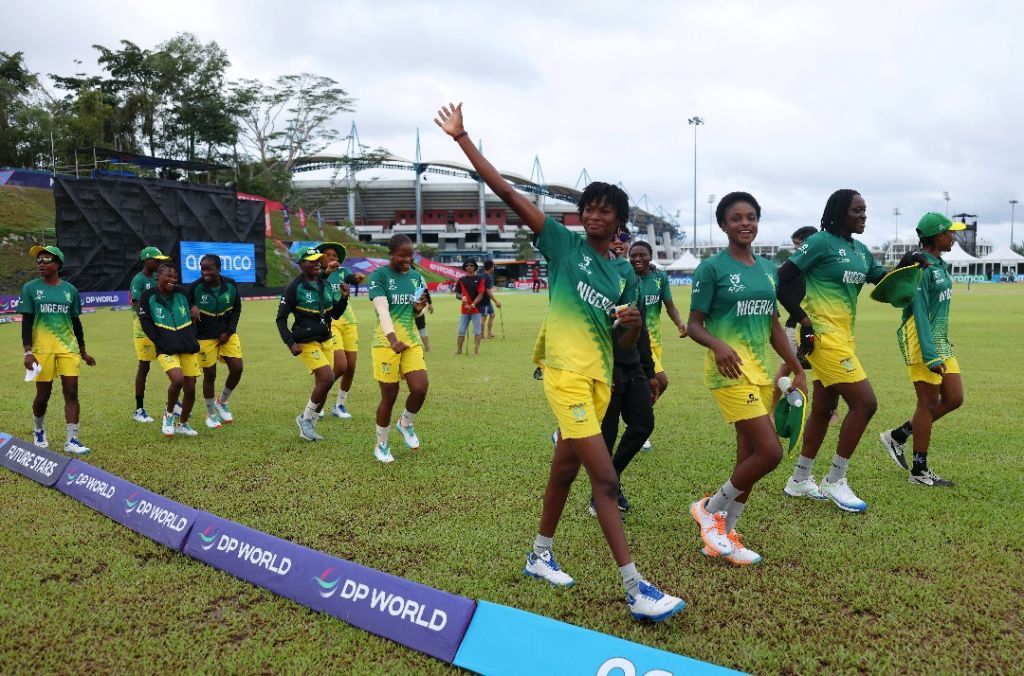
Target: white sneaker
x=646 y=446
x=186 y=429
x=39 y=439
x=167 y=425
x=545 y=568
x=339 y=411
x=841 y=494
x=653 y=604
x=321 y=414
x=223 y=412
x=306 y=430
x=73 y=445
x=712 y=529
x=212 y=422
x=803 y=489
x=177 y=408
x=382 y=452
x=141 y=416
x=409 y=434
x=741 y=556
x=894 y=448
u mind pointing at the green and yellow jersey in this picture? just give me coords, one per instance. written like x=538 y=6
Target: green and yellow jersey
x=400 y=289
x=335 y=280
x=52 y=308
x=738 y=302
x=654 y=290
x=583 y=287
x=834 y=270
x=924 y=334
x=140 y=284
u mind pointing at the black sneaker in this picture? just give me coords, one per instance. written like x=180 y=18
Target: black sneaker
x=593 y=512
x=895 y=449
x=623 y=502
x=538 y=374
x=930 y=478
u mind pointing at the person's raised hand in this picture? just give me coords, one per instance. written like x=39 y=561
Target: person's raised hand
x=449 y=119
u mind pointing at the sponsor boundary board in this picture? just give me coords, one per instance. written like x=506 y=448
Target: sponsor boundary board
x=40 y=465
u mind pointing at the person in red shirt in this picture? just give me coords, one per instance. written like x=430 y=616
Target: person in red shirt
x=536 y=278
x=470 y=289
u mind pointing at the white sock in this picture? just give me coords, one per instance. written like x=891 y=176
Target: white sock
x=406 y=418
x=542 y=544
x=726 y=494
x=211 y=410
x=382 y=434
x=733 y=515
x=804 y=466
x=838 y=470
x=630 y=578
x=224 y=394
x=40 y=422
x=342 y=396
x=311 y=413
x=72 y=429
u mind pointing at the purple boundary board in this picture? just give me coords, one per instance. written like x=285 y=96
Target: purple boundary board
x=415 y=615
x=145 y=512
x=503 y=640
x=38 y=464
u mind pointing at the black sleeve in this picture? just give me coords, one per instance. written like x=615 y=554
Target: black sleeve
x=426 y=294
x=908 y=259
x=236 y=312
x=792 y=290
x=285 y=308
x=27 y=319
x=76 y=326
x=148 y=327
x=338 y=308
x=643 y=346
x=190 y=291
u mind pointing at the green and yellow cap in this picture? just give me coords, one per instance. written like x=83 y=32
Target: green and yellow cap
x=36 y=250
x=152 y=252
x=310 y=253
x=898 y=287
x=338 y=247
x=934 y=223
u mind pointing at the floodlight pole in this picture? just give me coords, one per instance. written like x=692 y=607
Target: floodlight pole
x=1013 y=204
x=896 y=213
x=696 y=122
x=483 y=207
x=945 y=196
x=711 y=200
x=419 y=192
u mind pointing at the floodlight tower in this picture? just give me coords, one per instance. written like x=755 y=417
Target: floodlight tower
x=711 y=200
x=1013 y=204
x=945 y=196
x=896 y=214
x=696 y=122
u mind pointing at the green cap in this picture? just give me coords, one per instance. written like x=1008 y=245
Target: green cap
x=152 y=252
x=934 y=223
x=898 y=287
x=789 y=420
x=310 y=253
x=36 y=250
x=338 y=247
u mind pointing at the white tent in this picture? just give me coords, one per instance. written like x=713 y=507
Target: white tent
x=959 y=261
x=685 y=263
x=1004 y=261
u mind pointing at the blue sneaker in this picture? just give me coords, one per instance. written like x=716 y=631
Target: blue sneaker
x=339 y=411
x=545 y=568
x=653 y=604
x=73 y=445
x=39 y=439
x=841 y=494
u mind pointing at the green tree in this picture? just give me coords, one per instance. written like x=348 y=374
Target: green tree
x=524 y=245
x=22 y=122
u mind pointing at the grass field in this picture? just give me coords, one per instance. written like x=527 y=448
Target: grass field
x=927 y=580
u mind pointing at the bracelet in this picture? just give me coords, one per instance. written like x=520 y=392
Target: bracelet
x=460 y=135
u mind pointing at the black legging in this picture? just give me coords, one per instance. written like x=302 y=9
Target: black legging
x=631 y=398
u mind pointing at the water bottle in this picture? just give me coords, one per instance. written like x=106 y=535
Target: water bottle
x=417 y=294
x=794 y=398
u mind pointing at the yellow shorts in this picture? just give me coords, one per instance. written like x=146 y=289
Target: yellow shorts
x=210 y=352
x=578 y=402
x=314 y=354
x=389 y=367
x=57 y=363
x=743 y=402
x=835 y=361
x=145 y=350
x=656 y=355
x=346 y=336
x=920 y=373
x=188 y=363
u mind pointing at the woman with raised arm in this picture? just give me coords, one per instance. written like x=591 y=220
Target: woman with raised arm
x=587 y=291
x=733 y=314
x=819 y=286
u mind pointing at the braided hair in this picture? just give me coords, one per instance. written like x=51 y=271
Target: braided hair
x=833 y=219
x=397 y=241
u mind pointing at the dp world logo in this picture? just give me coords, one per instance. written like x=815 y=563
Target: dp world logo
x=209 y=537
x=327 y=586
x=130 y=502
x=69 y=478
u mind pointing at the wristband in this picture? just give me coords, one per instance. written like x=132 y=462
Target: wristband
x=460 y=135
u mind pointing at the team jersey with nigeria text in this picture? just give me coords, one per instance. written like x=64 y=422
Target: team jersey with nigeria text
x=140 y=284
x=924 y=334
x=654 y=290
x=400 y=288
x=52 y=308
x=834 y=270
x=583 y=287
x=738 y=302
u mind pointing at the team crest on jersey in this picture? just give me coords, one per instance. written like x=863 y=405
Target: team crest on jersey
x=67 y=296
x=204 y=298
x=847 y=364
x=181 y=310
x=585 y=265
x=309 y=296
x=392 y=286
x=39 y=293
x=159 y=312
x=842 y=256
x=736 y=285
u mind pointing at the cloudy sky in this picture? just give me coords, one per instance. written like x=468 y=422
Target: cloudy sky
x=900 y=100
